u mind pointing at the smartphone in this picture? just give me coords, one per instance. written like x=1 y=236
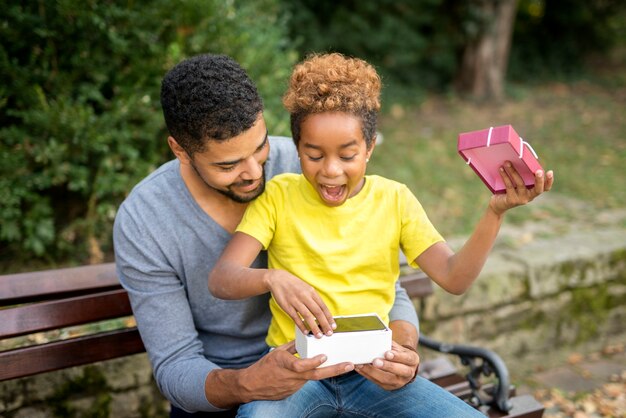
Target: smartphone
x=359 y=323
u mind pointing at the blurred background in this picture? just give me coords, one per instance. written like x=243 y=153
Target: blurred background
x=80 y=121
x=81 y=124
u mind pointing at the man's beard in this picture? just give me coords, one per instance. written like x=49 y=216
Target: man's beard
x=249 y=197
x=239 y=198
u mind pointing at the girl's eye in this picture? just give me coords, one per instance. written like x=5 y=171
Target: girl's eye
x=350 y=158
x=314 y=158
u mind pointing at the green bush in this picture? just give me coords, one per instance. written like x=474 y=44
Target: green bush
x=420 y=43
x=554 y=38
x=409 y=42
x=79 y=107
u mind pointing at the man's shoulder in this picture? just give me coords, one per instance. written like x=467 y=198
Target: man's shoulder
x=162 y=173
x=153 y=186
x=282 y=146
x=281 y=140
x=283 y=157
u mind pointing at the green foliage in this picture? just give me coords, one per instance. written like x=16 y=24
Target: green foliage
x=409 y=42
x=420 y=43
x=553 y=38
x=80 y=119
x=79 y=106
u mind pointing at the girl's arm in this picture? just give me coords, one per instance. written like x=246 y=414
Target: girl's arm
x=456 y=272
x=232 y=278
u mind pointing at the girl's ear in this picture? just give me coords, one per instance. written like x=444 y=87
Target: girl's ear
x=369 y=151
x=178 y=151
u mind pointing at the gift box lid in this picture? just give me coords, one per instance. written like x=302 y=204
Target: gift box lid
x=486 y=150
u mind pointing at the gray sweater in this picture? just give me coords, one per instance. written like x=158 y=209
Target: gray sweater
x=165 y=247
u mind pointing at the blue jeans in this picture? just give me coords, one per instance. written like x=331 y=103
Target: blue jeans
x=351 y=395
x=179 y=413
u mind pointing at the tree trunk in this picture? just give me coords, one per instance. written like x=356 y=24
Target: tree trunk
x=485 y=57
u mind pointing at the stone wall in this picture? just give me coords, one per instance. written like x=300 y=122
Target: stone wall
x=538 y=297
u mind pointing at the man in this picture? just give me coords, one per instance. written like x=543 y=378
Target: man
x=210 y=354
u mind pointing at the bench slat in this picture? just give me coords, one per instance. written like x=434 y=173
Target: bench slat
x=417 y=284
x=440 y=371
x=523 y=406
x=68 y=353
x=35 y=286
x=26 y=319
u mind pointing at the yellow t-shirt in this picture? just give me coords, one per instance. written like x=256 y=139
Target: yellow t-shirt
x=348 y=253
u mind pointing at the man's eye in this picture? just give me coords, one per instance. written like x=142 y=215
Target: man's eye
x=227 y=168
x=262 y=147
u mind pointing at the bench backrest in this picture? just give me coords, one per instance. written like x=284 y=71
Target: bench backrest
x=55 y=299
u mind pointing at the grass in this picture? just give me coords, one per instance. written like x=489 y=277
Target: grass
x=578 y=128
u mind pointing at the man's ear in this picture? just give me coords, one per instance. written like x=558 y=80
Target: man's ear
x=178 y=151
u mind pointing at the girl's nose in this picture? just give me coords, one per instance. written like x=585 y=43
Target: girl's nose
x=332 y=168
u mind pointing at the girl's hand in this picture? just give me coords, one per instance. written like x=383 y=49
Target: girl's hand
x=516 y=192
x=301 y=302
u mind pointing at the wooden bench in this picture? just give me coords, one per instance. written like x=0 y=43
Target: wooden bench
x=35 y=302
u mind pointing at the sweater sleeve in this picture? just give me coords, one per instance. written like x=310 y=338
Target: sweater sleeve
x=163 y=316
x=403 y=309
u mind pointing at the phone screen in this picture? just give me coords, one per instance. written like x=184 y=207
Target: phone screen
x=359 y=323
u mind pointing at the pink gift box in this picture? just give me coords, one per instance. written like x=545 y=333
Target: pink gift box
x=487 y=150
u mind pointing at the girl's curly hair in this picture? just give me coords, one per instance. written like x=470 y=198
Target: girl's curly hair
x=334 y=83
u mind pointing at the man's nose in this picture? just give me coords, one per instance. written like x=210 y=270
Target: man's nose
x=252 y=169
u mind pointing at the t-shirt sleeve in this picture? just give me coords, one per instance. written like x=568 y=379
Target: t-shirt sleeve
x=418 y=233
x=259 y=220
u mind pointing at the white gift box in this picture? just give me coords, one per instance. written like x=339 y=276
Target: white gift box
x=358 y=339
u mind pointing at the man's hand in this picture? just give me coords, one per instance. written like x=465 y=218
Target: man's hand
x=301 y=302
x=400 y=364
x=275 y=376
x=398 y=368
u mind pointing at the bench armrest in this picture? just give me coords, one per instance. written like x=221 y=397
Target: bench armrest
x=480 y=362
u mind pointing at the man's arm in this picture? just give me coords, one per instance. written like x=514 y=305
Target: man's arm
x=404 y=310
x=164 y=318
x=275 y=376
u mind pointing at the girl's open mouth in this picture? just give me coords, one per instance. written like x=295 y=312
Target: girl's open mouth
x=332 y=194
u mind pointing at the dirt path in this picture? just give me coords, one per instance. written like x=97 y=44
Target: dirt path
x=583 y=386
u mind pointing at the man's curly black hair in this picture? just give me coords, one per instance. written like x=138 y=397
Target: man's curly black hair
x=208 y=97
